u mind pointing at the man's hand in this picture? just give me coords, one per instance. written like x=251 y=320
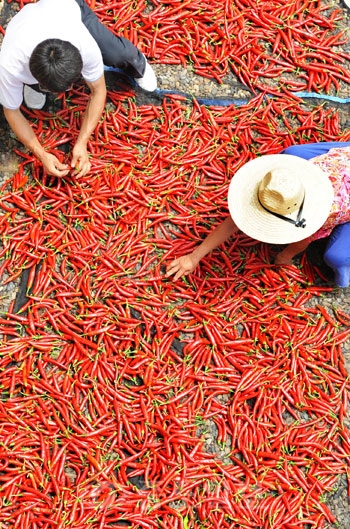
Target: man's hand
x=53 y=166
x=182 y=266
x=80 y=161
x=25 y=134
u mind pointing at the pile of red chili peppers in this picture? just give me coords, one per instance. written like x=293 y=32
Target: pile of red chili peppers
x=289 y=42
x=128 y=400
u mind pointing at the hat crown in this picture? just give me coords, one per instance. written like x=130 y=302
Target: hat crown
x=281 y=191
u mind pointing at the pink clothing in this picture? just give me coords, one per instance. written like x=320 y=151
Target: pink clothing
x=336 y=163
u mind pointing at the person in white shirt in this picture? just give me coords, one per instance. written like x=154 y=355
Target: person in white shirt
x=50 y=45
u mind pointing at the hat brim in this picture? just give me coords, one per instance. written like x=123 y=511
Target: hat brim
x=253 y=220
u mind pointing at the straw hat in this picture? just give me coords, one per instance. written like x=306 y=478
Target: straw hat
x=280 y=198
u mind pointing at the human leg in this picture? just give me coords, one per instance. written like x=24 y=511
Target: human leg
x=337 y=254
x=310 y=150
x=118 y=52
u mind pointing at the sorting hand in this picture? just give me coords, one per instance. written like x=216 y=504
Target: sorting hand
x=53 y=166
x=80 y=161
x=182 y=266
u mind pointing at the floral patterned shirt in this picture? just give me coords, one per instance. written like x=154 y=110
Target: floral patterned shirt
x=336 y=163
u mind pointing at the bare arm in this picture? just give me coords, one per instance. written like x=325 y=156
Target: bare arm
x=187 y=263
x=25 y=134
x=80 y=158
x=184 y=265
x=285 y=256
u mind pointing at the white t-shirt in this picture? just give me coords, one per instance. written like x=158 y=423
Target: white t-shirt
x=45 y=19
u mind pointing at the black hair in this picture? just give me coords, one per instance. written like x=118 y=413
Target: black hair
x=56 y=64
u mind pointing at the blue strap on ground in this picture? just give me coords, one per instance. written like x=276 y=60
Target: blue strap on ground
x=335 y=99
x=227 y=102
x=220 y=102
x=158 y=92
x=239 y=102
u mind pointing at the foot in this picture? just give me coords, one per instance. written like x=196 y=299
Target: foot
x=33 y=99
x=149 y=80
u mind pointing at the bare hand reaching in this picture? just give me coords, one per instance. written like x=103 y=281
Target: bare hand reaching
x=53 y=166
x=182 y=266
x=187 y=263
x=80 y=161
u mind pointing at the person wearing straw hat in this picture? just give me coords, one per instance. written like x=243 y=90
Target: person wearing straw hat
x=288 y=198
x=48 y=46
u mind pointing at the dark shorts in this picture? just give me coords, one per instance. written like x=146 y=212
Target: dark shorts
x=116 y=51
